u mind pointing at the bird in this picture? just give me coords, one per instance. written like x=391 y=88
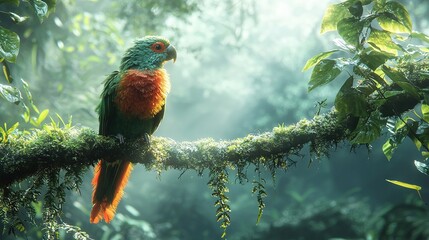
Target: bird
x=132 y=106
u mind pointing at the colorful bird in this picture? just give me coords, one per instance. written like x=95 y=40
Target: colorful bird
x=132 y=106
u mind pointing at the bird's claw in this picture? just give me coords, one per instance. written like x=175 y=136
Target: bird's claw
x=120 y=138
x=146 y=139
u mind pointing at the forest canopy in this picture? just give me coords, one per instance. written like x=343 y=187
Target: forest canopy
x=371 y=89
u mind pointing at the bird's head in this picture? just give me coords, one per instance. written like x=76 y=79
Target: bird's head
x=148 y=53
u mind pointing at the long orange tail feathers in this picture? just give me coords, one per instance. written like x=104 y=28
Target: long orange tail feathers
x=104 y=206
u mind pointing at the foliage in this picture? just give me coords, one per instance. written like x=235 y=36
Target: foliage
x=150 y=10
x=75 y=35
x=48 y=186
x=350 y=218
x=411 y=217
x=259 y=189
x=43 y=153
x=64 y=48
x=18 y=92
x=72 y=149
x=407 y=185
x=376 y=42
x=217 y=183
x=385 y=74
x=344 y=219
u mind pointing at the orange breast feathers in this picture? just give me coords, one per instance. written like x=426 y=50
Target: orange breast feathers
x=142 y=93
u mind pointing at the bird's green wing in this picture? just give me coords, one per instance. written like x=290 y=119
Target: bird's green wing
x=157 y=119
x=106 y=107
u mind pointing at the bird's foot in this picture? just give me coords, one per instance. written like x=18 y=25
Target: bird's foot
x=120 y=138
x=146 y=139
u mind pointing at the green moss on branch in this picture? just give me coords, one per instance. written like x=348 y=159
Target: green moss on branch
x=29 y=154
x=283 y=141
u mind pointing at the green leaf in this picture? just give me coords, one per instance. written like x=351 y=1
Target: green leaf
x=420 y=134
x=34 y=107
x=410 y=88
x=343 y=45
x=377 y=78
x=26 y=114
x=396 y=19
x=400 y=130
x=422 y=167
x=425 y=112
x=42 y=116
x=260 y=212
x=394 y=75
x=51 y=5
x=382 y=41
x=333 y=14
x=366 y=88
x=412 y=130
x=40 y=8
x=16 y=2
x=9 y=45
x=420 y=36
x=368 y=129
x=389 y=94
x=349 y=101
x=350 y=29
x=400 y=79
x=379 y=4
x=402 y=125
x=11 y=94
x=37 y=206
x=3 y=135
x=11 y=129
x=426 y=97
x=316 y=59
x=356 y=9
x=388 y=148
x=18 y=225
x=324 y=72
x=416 y=142
x=6 y=72
x=374 y=59
x=26 y=88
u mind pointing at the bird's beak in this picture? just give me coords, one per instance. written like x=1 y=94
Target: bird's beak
x=171 y=53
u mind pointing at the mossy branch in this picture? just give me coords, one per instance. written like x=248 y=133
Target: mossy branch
x=42 y=153
x=28 y=155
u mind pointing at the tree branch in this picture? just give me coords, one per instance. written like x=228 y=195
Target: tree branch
x=43 y=150
x=52 y=148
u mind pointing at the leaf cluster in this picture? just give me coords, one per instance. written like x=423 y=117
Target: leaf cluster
x=39 y=198
x=18 y=92
x=217 y=183
x=379 y=57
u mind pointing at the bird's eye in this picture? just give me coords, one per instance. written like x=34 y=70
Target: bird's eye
x=158 y=47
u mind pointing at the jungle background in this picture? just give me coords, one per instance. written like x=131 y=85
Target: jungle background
x=238 y=72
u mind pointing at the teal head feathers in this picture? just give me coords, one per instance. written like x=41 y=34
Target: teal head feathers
x=148 y=53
